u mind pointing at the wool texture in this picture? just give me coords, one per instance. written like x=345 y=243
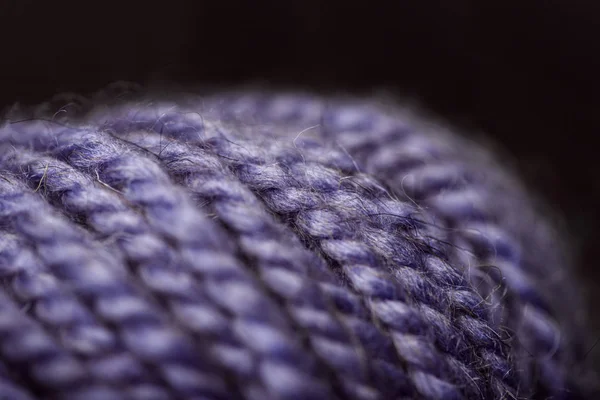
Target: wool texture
x=258 y=245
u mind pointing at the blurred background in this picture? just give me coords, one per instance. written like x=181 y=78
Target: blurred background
x=525 y=72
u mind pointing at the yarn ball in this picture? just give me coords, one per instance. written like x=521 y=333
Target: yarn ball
x=250 y=244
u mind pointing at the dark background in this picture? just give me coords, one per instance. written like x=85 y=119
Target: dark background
x=525 y=72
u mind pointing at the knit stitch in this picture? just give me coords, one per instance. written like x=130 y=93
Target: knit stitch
x=263 y=245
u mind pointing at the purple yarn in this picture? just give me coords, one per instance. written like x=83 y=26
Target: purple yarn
x=272 y=246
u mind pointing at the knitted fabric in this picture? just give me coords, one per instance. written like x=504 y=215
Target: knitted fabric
x=259 y=245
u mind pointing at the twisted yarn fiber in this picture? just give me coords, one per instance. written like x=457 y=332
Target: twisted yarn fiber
x=271 y=246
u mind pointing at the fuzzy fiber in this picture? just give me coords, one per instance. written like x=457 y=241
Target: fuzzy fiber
x=263 y=245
